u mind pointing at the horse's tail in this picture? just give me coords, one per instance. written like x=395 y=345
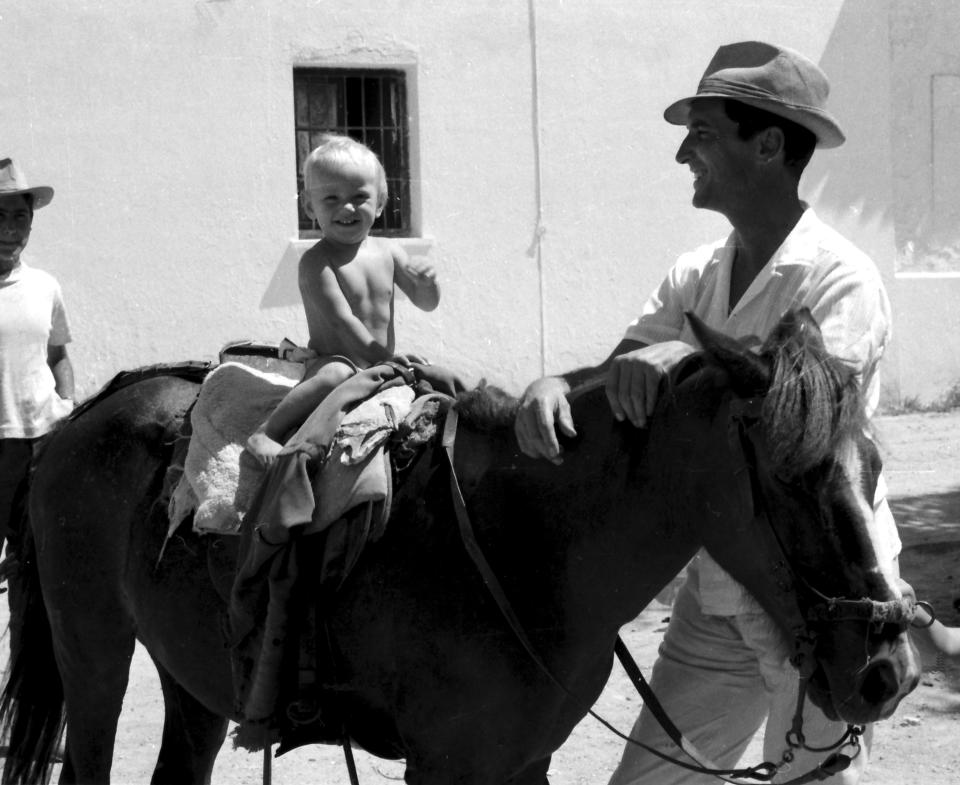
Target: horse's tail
x=31 y=705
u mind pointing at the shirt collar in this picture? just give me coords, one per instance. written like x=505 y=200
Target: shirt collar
x=796 y=248
x=799 y=247
x=14 y=275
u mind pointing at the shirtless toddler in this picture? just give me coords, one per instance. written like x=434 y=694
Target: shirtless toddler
x=346 y=281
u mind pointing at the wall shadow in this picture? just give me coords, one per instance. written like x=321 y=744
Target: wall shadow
x=857 y=61
x=283 y=289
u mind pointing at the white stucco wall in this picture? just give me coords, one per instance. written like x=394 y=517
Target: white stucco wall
x=926 y=146
x=167 y=131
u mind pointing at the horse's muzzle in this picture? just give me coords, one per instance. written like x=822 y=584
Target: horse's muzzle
x=891 y=673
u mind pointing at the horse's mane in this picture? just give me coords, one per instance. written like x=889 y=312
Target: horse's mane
x=814 y=402
x=487 y=408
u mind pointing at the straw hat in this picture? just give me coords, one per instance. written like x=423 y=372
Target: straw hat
x=13 y=182
x=768 y=77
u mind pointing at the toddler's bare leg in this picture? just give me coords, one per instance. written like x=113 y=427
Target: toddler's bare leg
x=265 y=443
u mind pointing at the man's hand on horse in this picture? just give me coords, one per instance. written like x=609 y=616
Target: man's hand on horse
x=634 y=379
x=543 y=408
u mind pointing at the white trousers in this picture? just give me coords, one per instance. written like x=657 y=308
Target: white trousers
x=718 y=678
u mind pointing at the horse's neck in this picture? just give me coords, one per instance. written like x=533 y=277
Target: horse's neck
x=590 y=541
x=714 y=500
x=640 y=545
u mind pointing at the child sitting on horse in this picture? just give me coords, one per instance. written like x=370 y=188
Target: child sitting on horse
x=346 y=281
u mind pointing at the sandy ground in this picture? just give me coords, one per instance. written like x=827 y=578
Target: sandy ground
x=919 y=744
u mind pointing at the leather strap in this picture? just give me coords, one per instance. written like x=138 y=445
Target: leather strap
x=762 y=772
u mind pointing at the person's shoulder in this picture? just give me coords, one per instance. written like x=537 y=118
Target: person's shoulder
x=387 y=247
x=36 y=276
x=840 y=254
x=313 y=266
x=701 y=260
x=313 y=262
x=315 y=254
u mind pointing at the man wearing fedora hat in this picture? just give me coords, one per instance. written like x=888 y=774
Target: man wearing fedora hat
x=752 y=126
x=36 y=377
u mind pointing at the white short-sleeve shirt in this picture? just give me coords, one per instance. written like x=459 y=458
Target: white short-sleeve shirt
x=32 y=315
x=815 y=267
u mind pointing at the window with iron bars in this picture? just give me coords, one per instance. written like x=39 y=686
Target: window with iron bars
x=370 y=106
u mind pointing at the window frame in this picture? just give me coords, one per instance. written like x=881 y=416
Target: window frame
x=392 y=118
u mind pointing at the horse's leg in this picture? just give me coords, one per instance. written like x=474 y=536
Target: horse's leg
x=192 y=737
x=535 y=774
x=95 y=667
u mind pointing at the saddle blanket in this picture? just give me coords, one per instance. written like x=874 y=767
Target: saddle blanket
x=220 y=478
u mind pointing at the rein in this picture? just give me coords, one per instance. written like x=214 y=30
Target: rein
x=743 y=416
x=764 y=772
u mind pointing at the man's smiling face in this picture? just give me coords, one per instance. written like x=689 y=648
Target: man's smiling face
x=16 y=219
x=722 y=163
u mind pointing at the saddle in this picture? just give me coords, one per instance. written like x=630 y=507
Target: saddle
x=301 y=533
x=219 y=478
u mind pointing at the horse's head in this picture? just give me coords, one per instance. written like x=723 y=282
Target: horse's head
x=804 y=472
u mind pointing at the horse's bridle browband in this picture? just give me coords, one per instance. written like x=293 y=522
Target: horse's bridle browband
x=764 y=772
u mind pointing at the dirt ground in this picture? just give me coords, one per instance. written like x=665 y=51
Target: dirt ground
x=920 y=743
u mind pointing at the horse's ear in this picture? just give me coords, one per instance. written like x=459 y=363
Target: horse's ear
x=749 y=372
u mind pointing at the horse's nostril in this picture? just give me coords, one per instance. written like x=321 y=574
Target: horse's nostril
x=879 y=683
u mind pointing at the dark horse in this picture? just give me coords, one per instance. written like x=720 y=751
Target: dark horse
x=761 y=459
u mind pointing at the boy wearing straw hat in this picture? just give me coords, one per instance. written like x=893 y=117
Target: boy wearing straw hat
x=36 y=377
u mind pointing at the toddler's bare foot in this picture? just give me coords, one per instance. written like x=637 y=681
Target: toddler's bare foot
x=263 y=448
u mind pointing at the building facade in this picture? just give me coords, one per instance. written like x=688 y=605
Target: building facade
x=528 y=157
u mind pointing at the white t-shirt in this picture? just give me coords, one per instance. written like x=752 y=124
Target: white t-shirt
x=815 y=267
x=32 y=315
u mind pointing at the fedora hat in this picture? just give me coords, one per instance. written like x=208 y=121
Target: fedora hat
x=774 y=78
x=13 y=182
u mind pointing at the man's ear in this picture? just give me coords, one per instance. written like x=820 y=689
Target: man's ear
x=770 y=142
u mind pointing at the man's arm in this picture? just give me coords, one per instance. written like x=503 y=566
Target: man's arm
x=633 y=374
x=62 y=370
x=633 y=381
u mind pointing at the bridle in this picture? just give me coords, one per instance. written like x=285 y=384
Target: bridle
x=742 y=417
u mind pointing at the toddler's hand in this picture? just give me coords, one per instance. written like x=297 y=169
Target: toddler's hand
x=420 y=269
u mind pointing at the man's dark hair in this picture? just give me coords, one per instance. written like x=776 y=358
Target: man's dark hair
x=798 y=142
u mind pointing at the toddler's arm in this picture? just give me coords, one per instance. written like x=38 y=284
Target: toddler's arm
x=417 y=278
